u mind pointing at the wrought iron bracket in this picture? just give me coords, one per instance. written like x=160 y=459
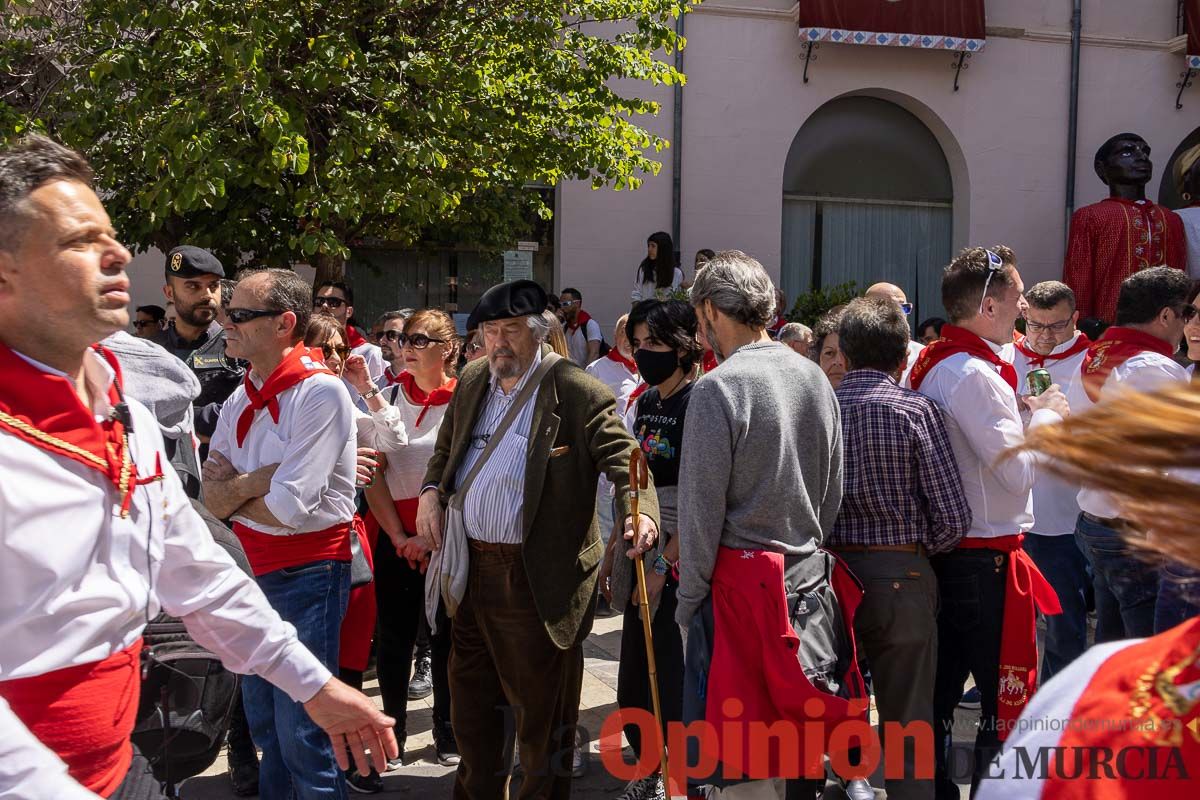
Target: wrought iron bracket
x=808 y=56
x=959 y=65
x=1183 y=84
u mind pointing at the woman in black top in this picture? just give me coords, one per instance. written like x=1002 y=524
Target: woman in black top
x=665 y=348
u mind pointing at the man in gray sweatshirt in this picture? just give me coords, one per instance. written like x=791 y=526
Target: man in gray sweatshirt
x=761 y=470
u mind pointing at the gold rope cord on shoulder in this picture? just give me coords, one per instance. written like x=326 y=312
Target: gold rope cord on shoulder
x=42 y=436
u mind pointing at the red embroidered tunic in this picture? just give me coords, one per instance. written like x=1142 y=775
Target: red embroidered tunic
x=1113 y=239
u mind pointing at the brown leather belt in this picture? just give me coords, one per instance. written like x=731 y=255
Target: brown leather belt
x=492 y=547
x=915 y=547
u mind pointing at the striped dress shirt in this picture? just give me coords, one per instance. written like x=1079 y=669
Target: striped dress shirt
x=493 y=506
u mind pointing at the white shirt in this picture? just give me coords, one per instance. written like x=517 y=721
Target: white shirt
x=648 y=290
x=1191 y=231
x=314 y=445
x=495 y=502
x=376 y=368
x=617 y=377
x=1144 y=372
x=406 y=464
x=914 y=351
x=983 y=422
x=74 y=585
x=1055 y=506
x=577 y=341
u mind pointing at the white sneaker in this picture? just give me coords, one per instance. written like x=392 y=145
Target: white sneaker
x=648 y=788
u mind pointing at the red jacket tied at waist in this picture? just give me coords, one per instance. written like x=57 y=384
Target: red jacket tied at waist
x=1025 y=593
x=755 y=659
x=85 y=714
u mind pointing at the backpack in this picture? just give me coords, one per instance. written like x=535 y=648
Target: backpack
x=187 y=694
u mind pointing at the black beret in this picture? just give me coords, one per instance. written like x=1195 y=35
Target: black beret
x=186 y=261
x=508 y=300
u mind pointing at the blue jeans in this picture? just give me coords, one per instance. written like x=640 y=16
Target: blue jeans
x=297 y=756
x=1126 y=584
x=1178 y=596
x=1065 y=567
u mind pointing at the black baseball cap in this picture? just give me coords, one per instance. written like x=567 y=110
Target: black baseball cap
x=187 y=261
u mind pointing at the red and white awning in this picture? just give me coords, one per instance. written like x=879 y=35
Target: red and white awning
x=921 y=24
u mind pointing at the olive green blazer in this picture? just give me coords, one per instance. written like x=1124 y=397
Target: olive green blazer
x=575 y=435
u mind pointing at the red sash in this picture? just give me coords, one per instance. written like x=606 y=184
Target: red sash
x=959 y=340
x=298 y=364
x=581 y=321
x=354 y=338
x=615 y=355
x=1038 y=360
x=1114 y=348
x=710 y=361
x=438 y=397
x=45 y=411
x=85 y=714
x=1025 y=593
x=1144 y=686
x=268 y=552
x=406 y=508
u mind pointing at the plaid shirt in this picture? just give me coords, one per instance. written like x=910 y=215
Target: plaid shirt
x=900 y=482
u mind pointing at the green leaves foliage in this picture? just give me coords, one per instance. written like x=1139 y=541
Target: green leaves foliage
x=285 y=129
x=809 y=307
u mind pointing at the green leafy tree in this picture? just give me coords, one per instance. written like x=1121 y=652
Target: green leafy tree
x=287 y=129
x=809 y=307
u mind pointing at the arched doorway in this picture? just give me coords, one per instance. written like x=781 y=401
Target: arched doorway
x=867 y=197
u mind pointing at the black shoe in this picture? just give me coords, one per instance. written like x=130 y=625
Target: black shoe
x=243 y=776
x=446 y=746
x=364 y=784
x=421 y=685
x=603 y=609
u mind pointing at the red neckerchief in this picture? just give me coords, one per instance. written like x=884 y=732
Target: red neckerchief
x=45 y=411
x=1114 y=348
x=353 y=337
x=1026 y=592
x=615 y=355
x=710 y=361
x=297 y=365
x=636 y=393
x=438 y=397
x=390 y=377
x=581 y=319
x=956 y=340
x=1038 y=360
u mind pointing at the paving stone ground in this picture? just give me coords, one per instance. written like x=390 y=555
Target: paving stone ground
x=422 y=777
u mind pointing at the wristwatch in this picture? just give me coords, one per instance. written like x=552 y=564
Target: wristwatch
x=373 y=391
x=661 y=565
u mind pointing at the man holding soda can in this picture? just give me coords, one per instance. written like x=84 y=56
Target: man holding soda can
x=1052 y=352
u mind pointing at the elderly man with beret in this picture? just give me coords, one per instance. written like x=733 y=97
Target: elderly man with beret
x=510 y=500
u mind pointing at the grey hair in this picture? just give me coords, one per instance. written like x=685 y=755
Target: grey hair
x=738 y=286
x=793 y=331
x=540 y=327
x=287 y=291
x=26 y=166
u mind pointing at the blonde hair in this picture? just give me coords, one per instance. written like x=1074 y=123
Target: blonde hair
x=1133 y=446
x=557 y=339
x=439 y=325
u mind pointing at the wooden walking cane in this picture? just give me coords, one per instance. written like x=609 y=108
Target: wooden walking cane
x=639 y=478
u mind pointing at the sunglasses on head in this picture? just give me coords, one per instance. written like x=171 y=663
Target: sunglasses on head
x=418 y=341
x=332 y=302
x=240 y=316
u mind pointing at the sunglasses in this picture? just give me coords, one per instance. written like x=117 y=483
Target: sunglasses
x=569 y=303
x=995 y=265
x=906 y=308
x=341 y=350
x=240 y=316
x=145 y=323
x=473 y=347
x=332 y=302
x=418 y=341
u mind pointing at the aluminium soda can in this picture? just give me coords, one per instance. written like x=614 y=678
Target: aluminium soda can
x=1038 y=381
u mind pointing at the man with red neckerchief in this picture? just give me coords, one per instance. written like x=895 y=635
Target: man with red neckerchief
x=583 y=332
x=1053 y=343
x=1135 y=354
x=990 y=589
x=336 y=299
x=282 y=466
x=96 y=532
x=1123 y=233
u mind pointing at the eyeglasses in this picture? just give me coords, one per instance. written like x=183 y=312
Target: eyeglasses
x=995 y=264
x=906 y=308
x=418 y=341
x=1188 y=313
x=332 y=302
x=240 y=316
x=144 y=323
x=1032 y=327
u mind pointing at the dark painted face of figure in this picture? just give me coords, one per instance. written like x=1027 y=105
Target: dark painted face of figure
x=1127 y=165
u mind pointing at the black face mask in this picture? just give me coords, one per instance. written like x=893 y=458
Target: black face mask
x=656 y=367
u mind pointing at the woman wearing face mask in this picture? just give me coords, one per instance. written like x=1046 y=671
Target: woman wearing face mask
x=665 y=349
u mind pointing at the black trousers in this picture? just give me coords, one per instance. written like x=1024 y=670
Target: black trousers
x=139 y=783
x=400 y=597
x=970 y=621
x=633 y=672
